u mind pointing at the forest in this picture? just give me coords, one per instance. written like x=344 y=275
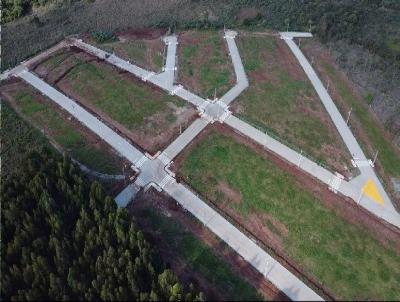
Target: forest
x=373 y=24
x=64 y=239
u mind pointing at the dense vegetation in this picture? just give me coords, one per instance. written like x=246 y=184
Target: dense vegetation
x=62 y=238
x=373 y=24
x=17 y=138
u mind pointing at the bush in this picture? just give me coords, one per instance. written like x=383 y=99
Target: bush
x=103 y=36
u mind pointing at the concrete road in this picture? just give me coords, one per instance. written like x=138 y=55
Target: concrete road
x=107 y=134
x=284 y=280
x=367 y=172
x=241 y=79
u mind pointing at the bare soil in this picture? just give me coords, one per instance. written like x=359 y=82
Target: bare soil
x=385 y=233
x=167 y=206
x=143 y=139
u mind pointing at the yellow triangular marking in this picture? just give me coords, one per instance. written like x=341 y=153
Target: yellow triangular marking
x=372 y=192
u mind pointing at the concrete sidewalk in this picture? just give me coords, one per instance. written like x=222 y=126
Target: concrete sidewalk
x=241 y=79
x=278 y=275
x=346 y=188
x=108 y=135
x=340 y=124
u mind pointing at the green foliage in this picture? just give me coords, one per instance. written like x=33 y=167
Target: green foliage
x=369 y=98
x=103 y=36
x=64 y=239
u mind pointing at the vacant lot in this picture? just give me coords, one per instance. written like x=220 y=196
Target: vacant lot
x=144 y=48
x=61 y=129
x=281 y=101
x=280 y=211
x=148 y=116
x=363 y=122
x=205 y=66
x=202 y=259
x=64 y=131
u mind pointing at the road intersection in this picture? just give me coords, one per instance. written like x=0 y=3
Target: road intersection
x=154 y=170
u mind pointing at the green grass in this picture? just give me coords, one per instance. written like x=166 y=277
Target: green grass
x=285 y=106
x=212 y=69
x=65 y=135
x=344 y=257
x=389 y=157
x=125 y=101
x=136 y=51
x=200 y=257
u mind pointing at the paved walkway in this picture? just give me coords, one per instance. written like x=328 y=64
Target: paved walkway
x=127 y=195
x=166 y=78
x=367 y=172
x=113 y=139
x=284 y=280
x=153 y=172
x=241 y=79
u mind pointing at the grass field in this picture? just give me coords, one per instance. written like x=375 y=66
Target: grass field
x=344 y=257
x=145 y=114
x=281 y=101
x=204 y=63
x=144 y=53
x=200 y=257
x=63 y=132
x=128 y=102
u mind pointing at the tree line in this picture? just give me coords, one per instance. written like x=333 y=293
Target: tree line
x=64 y=239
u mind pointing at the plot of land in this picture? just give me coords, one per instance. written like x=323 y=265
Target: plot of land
x=281 y=101
x=202 y=259
x=62 y=130
x=281 y=212
x=205 y=66
x=148 y=116
x=144 y=48
x=365 y=127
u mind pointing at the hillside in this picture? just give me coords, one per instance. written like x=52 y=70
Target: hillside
x=364 y=36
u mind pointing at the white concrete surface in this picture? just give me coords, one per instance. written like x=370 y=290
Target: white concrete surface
x=241 y=79
x=341 y=126
x=108 y=135
x=127 y=195
x=284 y=280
